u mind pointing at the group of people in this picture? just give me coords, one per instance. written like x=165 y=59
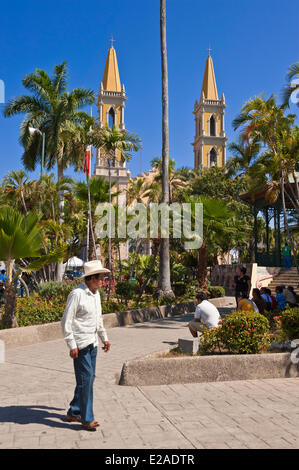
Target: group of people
x=262 y=299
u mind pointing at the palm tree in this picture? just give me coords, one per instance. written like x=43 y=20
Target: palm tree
x=176 y=182
x=99 y=193
x=220 y=224
x=54 y=111
x=49 y=192
x=164 y=285
x=265 y=120
x=291 y=88
x=20 y=237
x=114 y=143
x=244 y=154
x=15 y=184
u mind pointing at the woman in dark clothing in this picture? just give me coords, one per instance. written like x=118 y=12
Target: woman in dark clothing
x=242 y=284
x=258 y=300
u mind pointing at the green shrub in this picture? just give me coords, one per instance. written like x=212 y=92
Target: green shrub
x=37 y=310
x=55 y=289
x=180 y=288
x=111 y=307
x=216 y=291
x=125 y=290
x=60 y=290
x=290 y=323
x=240 y=333
x=209 y=341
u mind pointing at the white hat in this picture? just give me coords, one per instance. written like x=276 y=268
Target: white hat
x=93 y=267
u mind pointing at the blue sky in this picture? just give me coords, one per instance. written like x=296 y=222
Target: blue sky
x=253 y=44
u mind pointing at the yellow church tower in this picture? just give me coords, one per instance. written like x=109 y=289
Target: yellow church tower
x=111 y=107
x=210 y=140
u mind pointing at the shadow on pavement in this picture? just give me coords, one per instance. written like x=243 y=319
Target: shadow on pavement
x=35 y=414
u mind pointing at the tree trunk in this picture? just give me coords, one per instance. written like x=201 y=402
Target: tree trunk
x=156 y=250
x=23 y=202
x=59 y=267
x=9 y=319
x=202 y=272
x=286 y=225
x=164 y=285
x=109 y=233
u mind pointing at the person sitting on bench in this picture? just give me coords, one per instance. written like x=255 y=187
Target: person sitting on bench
x=206 y=315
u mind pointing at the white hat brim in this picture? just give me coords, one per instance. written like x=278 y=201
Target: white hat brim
x=96 y=271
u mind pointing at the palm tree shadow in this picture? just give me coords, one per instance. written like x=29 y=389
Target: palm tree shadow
x=35 y=414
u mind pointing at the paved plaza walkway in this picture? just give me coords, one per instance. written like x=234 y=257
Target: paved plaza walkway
x=37 y=384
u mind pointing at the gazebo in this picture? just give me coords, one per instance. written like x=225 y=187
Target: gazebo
x=272 y=211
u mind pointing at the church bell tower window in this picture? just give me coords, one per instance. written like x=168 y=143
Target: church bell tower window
x=212 y=126
x=111 y=118
x=213 y=157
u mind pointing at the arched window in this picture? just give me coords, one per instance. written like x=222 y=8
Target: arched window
x=212 y=125
x=111 y=118
x=213 y=157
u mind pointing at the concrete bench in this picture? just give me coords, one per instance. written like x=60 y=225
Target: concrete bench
x=189 y=345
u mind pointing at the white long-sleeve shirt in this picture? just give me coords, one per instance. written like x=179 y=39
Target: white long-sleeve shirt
x=82 y=321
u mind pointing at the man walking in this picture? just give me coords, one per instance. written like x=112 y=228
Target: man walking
x=82 y=323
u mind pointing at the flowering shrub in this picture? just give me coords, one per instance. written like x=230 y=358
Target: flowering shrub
x=240 y=333
x=289 y=321
x=245 y=332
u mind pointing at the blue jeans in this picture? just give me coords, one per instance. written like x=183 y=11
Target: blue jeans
x=85 y=366
x=287 y=261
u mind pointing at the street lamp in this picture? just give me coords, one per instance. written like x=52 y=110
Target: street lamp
x=33 y=131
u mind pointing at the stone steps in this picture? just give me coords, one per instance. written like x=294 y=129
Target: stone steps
x=288 y=278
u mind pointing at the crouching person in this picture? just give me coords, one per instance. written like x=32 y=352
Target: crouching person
x=206 y=315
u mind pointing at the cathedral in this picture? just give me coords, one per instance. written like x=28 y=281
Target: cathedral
x=209 y=143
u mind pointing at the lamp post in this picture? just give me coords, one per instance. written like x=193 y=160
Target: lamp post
x=33 y=131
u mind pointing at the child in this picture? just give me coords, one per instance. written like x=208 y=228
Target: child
x=280 y=298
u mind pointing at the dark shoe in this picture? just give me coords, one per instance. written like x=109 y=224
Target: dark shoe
x=71 y=419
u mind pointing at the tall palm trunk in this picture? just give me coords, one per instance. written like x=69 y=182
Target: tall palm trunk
x=23 y=202
x=60 y=268
x=9 y=319
x=164 y=285
x=286 y=225
x=202 y=272
x=109 y=233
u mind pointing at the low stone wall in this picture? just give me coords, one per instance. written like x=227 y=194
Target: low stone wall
x=197 y=369
x=23 y=336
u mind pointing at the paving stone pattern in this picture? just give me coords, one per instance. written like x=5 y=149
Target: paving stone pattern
x=37 y=384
